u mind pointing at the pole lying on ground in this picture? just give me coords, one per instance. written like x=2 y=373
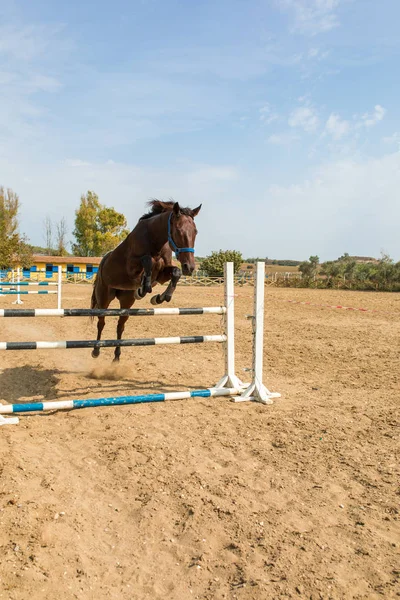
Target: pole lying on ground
x=117 y=401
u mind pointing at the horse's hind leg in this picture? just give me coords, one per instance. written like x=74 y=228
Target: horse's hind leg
x=126 y=300
x=173 y=274
x=101 y=321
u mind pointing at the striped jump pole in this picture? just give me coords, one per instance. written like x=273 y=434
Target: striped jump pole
x=110 y=312
x=19 y=292
x=40 y=283
x=117 y=401
x=74 y=344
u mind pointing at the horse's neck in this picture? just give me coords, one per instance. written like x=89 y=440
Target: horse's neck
x=158 y=229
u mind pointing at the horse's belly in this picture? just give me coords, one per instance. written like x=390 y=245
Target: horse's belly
x=117 y=282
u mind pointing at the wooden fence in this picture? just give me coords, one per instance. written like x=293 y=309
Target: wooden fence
x=241 y=279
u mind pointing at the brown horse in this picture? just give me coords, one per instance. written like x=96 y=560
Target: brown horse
x=144 y=259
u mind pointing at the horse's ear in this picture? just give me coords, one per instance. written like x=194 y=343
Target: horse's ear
x=177 y=209
x=196 y=211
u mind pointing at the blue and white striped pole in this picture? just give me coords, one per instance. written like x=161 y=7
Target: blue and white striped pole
x=117 y=401
x=24 y=283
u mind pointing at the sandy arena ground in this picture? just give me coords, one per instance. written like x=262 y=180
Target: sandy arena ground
x=203 y=498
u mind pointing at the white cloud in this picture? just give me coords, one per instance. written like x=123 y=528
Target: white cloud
x=371 y=119
x=317 y=54
x=313 y=52
x=392 y=139
x=267 y=116
x=28 y=42
x=76 y=162
x=304 y=117
x=282 y=139
x=337 y=127
x=344 y=206
x=311 y=17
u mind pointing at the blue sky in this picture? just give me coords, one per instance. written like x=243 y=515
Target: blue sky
x=281 y=116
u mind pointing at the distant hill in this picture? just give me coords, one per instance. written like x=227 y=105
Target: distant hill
x=363 y=259
x=275 y=261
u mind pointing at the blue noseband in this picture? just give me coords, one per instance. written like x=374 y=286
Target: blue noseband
x=174 y=247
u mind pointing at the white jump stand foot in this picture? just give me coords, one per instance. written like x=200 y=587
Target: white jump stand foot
x=257 y=393
x=231 y=381
x=8 y=420
x=18 y=302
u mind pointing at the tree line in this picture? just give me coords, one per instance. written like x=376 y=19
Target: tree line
x=98 y=229
x=346 y=272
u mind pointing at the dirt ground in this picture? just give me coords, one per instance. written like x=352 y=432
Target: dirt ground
x=203 y=498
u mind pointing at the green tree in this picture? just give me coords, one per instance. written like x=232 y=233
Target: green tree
x=98 y=229
x=332 y=269
x=14 y=249
x=213 y=264
x=309 y=268
x=61 y=237
x=364 y=272
x=385 y=272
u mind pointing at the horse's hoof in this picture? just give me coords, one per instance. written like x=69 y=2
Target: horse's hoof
x=155 y=300
x=95 y=353
x=138 y=295
x=168 y=298
x=116 y=360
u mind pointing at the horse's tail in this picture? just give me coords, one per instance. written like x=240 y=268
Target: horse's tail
x=93 y=301
x=96 y=283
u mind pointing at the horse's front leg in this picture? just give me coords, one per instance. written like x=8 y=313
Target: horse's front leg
x=171 y=274
x=126 y=300
x=145 y=288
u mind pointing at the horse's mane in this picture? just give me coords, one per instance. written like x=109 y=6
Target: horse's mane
x=159 y=206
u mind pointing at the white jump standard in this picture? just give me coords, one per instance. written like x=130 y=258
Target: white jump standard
x=229 y=385
x=257 y=390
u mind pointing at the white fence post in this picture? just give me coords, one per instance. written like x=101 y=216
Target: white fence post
x=257 y=390
x=59 y=286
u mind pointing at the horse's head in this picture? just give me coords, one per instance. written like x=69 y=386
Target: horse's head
x=182 y=234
